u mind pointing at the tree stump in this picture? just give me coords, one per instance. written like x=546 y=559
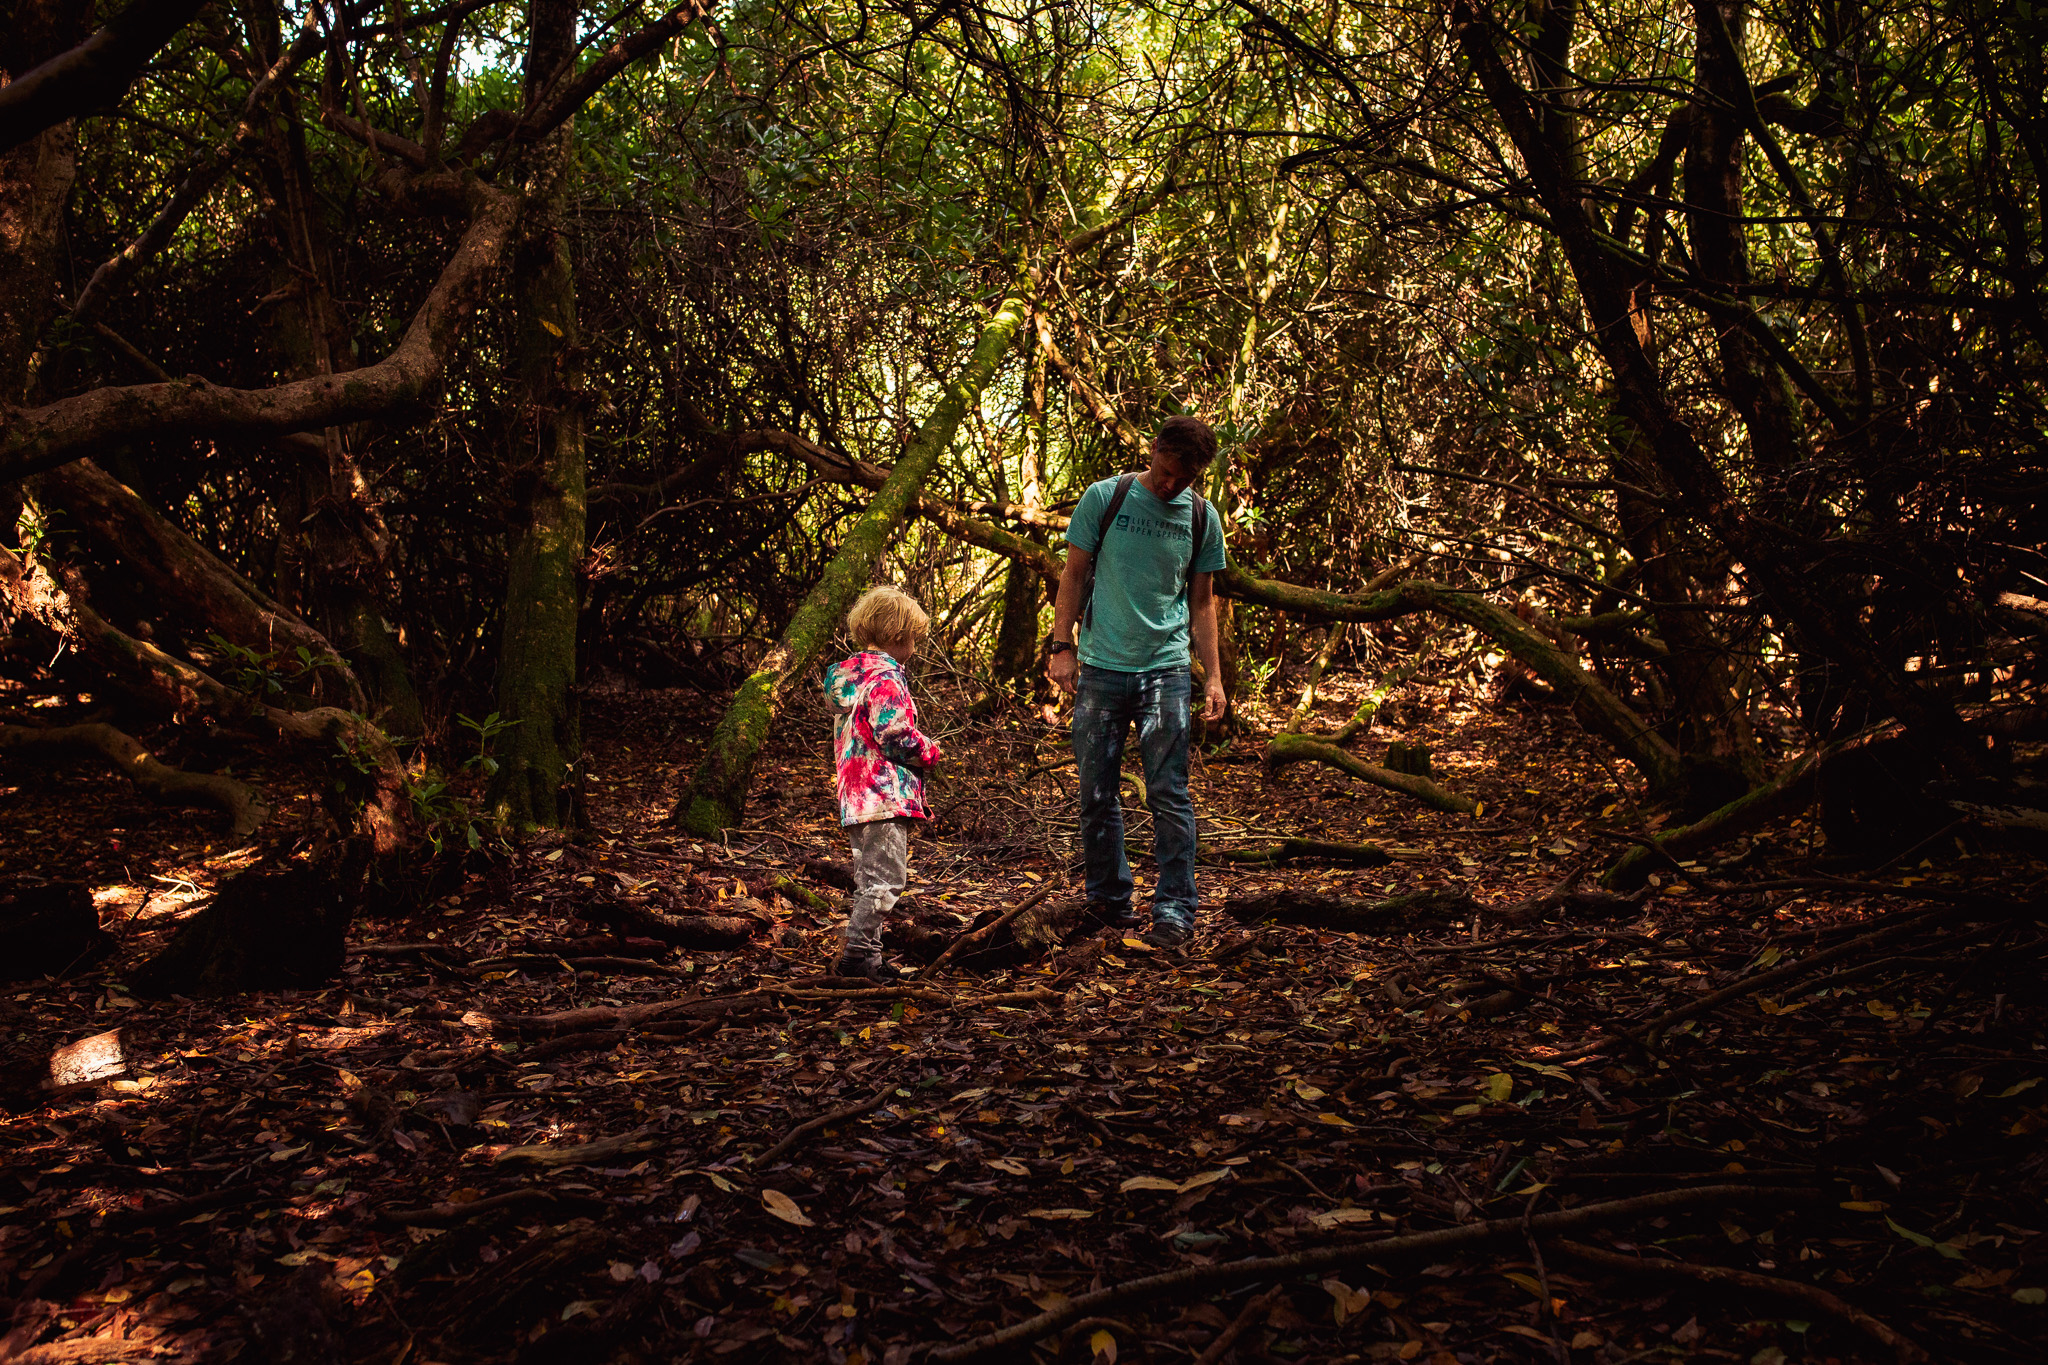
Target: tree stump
x=50 y=928
x=279 y=930
x=1412 y=759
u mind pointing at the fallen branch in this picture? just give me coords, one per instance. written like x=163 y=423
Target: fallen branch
x=1812 y=1295
x=1350 y=914
x=1286 y=749
x=636 y=1143
x=1373 y=1251
x=986 y=932
x=1287 y=850
x=700 y=933
x=245 y=807
x=809 y=1126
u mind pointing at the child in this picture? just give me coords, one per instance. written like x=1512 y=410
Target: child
x=881 y=758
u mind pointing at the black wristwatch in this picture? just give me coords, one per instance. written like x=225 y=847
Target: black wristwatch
x=1058 y=647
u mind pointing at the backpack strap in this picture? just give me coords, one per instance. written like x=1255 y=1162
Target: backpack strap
x=1200 y=517
x=1116 y=501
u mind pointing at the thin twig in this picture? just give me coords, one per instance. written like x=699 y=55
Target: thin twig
x=810 y=1126
x=1239 y=1325
x=987 y=931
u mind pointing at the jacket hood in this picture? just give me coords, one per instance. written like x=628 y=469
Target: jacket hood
x=844 y=680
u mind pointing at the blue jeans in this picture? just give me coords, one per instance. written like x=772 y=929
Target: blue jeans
x=1105 y=704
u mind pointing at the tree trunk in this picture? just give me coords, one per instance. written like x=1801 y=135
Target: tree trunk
x=1016 y=651
x=717 y=792
x=537 y=661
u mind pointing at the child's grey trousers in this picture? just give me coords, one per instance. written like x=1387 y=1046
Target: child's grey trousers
x=881 y=848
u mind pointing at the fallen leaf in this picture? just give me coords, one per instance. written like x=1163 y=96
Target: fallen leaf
x=782 y=1206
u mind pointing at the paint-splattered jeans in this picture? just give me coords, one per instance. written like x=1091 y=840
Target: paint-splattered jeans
x=881 y=850
x=1105 y=704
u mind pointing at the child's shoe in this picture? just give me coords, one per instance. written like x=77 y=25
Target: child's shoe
x=867 y=968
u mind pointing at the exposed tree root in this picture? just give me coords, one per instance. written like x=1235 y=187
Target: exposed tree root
x=244 y=805
x=1284 y=749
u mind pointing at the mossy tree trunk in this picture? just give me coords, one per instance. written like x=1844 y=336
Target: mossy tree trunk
x=717 y=792
x=537 y=661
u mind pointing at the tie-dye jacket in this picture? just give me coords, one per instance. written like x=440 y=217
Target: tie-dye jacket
x=875 y=739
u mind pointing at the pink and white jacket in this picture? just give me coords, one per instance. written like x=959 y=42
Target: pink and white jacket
x=875 y=740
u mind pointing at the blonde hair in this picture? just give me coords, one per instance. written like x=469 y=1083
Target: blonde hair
x=886 y=616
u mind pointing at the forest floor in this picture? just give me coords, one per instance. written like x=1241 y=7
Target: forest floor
x=1439 y=1143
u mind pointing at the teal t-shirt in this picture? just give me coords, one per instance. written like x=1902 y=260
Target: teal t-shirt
x=1141 y=569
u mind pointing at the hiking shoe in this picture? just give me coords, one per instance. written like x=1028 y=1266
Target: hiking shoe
x=1122 y=919
x=867 y=968
x=1167 y=936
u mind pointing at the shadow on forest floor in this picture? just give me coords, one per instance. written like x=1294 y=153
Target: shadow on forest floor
x=511 y=1135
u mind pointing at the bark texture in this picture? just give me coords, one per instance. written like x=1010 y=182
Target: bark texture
x=537 y=661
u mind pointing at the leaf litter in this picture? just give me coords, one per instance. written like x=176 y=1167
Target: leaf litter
x=520 y=1130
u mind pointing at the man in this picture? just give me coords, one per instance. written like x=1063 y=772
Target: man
x=1129 y=662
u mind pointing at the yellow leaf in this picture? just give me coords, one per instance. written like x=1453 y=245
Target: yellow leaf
x=1057 y=1215
x=1528 y=1282
x=1196 y=1182
x=781 y=1206
x=1306 y=1092
x=1865 y=1205
x=1499 y=1086
x=1103 y=1344
x=1148 y=1182
x=550 y=328
x=1345 y=1302
x=2012 y=1090
x=1335 y=1120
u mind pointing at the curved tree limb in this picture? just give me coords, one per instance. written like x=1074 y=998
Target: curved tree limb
x=93 y=74
x=1291 y=748
x=246 y=809
x=37 y=439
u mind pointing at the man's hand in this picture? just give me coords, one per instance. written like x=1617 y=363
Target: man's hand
x=1214 y=703
x=1064 y=671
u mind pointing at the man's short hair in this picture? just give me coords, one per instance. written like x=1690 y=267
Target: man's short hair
x=886 y=616
x=1187 y=439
